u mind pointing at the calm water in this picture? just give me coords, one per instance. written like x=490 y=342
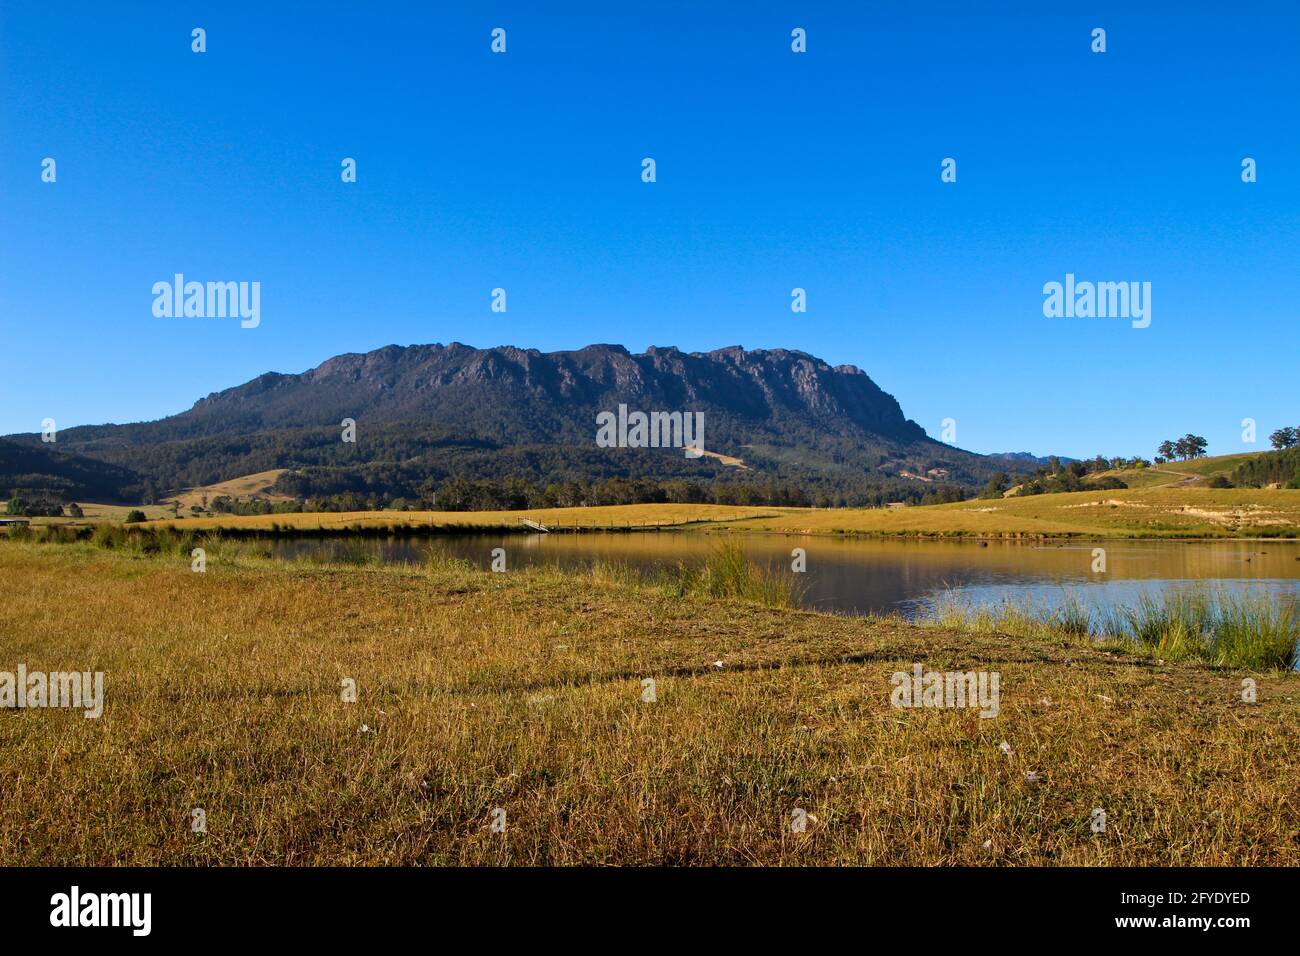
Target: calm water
x=896 y=576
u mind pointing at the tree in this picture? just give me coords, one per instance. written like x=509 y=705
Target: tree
x=1165 y=451
x=16 y=506
x=1187 y=447
x=1287 y=437
x=997 y=485
x=74 y=511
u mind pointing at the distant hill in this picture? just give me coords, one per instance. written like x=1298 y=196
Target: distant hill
x=426 y=413
x=40 y=467
x=1027 y=458
x=1240 y=469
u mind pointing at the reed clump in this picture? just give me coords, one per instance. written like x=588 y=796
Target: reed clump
x=1249 y=629
x=728 y=573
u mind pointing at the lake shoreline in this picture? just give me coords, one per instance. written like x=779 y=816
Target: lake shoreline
x=707 y=528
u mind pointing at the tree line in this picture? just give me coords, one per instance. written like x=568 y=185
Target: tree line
x=1184 y=449
x=1277 y=467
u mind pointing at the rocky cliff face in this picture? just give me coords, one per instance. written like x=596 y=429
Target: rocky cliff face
x=457 y=411
x=560 y=391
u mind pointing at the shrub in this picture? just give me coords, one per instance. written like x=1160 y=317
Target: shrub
x=135 y=516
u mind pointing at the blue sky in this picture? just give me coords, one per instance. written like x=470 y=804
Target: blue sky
x=775 y=170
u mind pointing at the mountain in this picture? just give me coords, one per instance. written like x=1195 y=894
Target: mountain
x=427 y=413
x=1027 y=458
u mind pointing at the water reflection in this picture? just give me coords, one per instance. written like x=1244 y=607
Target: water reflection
x=887 y=575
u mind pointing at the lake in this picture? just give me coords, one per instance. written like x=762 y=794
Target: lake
x=895 y=576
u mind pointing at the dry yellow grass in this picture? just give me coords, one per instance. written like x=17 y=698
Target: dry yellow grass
x=614 y=516
x=728 y=460
x=247 y=487
x=522 y=691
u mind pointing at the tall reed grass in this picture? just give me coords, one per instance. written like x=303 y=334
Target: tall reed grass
x=728 y=573
x=1225 y=628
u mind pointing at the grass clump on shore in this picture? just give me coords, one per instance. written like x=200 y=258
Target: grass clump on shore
x=728 y=573
x=1223 y=628
x=1219 y=627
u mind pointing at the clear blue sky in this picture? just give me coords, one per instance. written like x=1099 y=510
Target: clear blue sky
x=775 y=170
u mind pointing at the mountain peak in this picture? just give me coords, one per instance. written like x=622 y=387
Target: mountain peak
x=788 y=414
x=562 y=391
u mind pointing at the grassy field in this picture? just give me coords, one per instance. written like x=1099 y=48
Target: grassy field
x=97 y=514
x=1185 y=511
x=244 y=488
x=523 y=692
